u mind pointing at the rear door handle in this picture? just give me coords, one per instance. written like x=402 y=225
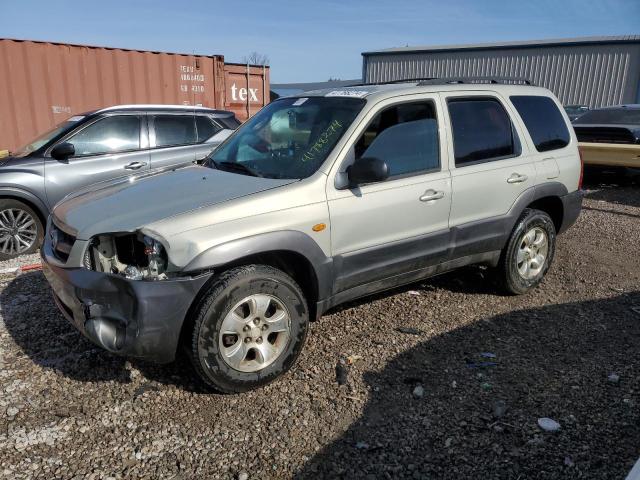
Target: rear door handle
x=431 y=195
x=135 y=165
x=517 y=178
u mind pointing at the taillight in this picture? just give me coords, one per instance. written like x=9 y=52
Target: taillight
x=581 y=170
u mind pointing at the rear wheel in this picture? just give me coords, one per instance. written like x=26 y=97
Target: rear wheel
x=248 y=329
x=21 y=231
x=529 y=253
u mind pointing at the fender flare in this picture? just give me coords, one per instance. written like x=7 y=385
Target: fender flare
x=283 y=240
x=19 y=193
x=547 y=189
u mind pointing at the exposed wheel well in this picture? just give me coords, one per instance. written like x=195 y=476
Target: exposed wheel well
x=41 y=216
x=552 y=206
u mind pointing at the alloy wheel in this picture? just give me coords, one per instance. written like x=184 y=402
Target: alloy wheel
x=18 y=231
x=254 y=333
x=532 y=253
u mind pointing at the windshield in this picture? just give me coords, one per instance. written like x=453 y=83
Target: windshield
x=47 y=137
x=289 y=138
x=615 y=116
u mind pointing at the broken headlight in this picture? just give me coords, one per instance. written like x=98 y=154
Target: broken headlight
x=133 y=256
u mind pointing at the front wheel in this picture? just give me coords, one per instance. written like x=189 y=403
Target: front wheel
x=21 y=231
x=248 y=329
x=526 y=258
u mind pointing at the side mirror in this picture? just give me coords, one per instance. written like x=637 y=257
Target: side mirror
x=62 y=151
x=367 y=170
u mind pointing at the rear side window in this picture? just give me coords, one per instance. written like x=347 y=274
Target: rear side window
x=172 y=130
x=205 y=128
x=108 y=135
x=405 y=136
x=482 y=130
x=544 y=121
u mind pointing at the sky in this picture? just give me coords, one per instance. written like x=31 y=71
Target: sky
x=308 y=41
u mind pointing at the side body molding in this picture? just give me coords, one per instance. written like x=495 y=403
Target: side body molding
x=284 y=240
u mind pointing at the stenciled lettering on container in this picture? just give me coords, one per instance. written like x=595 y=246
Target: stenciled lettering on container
x=188 y=74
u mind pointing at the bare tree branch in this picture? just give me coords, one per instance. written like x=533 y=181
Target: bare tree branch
x=256 y=58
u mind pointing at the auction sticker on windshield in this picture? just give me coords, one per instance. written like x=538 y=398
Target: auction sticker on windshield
x=347 y=93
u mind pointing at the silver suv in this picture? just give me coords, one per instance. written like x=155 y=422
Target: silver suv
x=316 y=200
x=94 y=147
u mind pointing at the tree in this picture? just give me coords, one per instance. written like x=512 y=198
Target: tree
x=256 y=58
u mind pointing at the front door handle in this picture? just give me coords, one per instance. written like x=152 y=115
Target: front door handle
x=517 y=178
x=431 y=195
x=135 y=165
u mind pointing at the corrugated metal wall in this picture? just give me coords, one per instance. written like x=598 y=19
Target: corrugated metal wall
x=594 y=75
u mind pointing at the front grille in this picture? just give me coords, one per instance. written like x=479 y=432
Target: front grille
x=61 y=242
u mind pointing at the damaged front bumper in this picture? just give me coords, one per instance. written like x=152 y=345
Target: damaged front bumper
x=134 y=318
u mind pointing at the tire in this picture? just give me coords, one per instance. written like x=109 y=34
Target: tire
x=21 y=231
x=250 y=302
x=520 y=268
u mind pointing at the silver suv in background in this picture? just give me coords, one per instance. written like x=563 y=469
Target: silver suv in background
x=95 y=147
x=318 y=199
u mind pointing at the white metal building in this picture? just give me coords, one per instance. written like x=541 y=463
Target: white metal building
x=593 y=71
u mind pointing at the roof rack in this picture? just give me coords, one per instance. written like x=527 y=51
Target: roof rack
x=452 y=80
x=391 y=82
x=493 y=80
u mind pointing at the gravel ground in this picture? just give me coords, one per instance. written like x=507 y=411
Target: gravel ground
x=444 y=379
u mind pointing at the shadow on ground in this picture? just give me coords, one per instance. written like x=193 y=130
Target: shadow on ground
x=621 y=187
x=551 y=362
x=48 y=339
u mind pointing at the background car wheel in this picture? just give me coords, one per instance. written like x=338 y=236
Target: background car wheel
x=529 y=253
x=20 y=229
x=248 y=329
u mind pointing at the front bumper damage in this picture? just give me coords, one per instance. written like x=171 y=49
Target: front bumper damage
x=135 y=318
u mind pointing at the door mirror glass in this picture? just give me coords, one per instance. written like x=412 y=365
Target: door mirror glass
x=367 y=170
x=62 y=151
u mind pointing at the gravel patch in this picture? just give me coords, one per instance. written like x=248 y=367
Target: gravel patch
x=446 y=378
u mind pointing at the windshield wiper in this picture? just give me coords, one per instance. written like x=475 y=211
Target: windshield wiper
x=238 y=167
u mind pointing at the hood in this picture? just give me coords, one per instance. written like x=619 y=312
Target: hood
x=135 y=202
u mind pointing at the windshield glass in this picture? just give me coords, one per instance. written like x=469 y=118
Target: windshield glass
x=289 y=138
x=615 y=116
x=47 y=137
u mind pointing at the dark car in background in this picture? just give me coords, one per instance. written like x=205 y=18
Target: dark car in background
x=575 y=111
x=610 y=136
x=96 y=147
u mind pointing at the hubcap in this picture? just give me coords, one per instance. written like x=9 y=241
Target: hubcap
x=532 y=254
x=254 y=333
x=18 y=231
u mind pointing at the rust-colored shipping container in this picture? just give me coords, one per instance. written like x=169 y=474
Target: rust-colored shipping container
x=42 y=83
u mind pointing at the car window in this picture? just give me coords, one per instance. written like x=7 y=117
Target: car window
x=173 y=130
x=205 y=128
x=482 y=130
x=108 y=135
x=615 y=116
x=544 y=121
x=289 y=138
x=405 y=137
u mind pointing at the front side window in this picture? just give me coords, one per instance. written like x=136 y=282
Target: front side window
x=289 y=138
x=405 y=136
x=544 y=121
x=108 y=135
x=174 y=130
x=482 y=130
x=48 y=136
x=205 y=128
